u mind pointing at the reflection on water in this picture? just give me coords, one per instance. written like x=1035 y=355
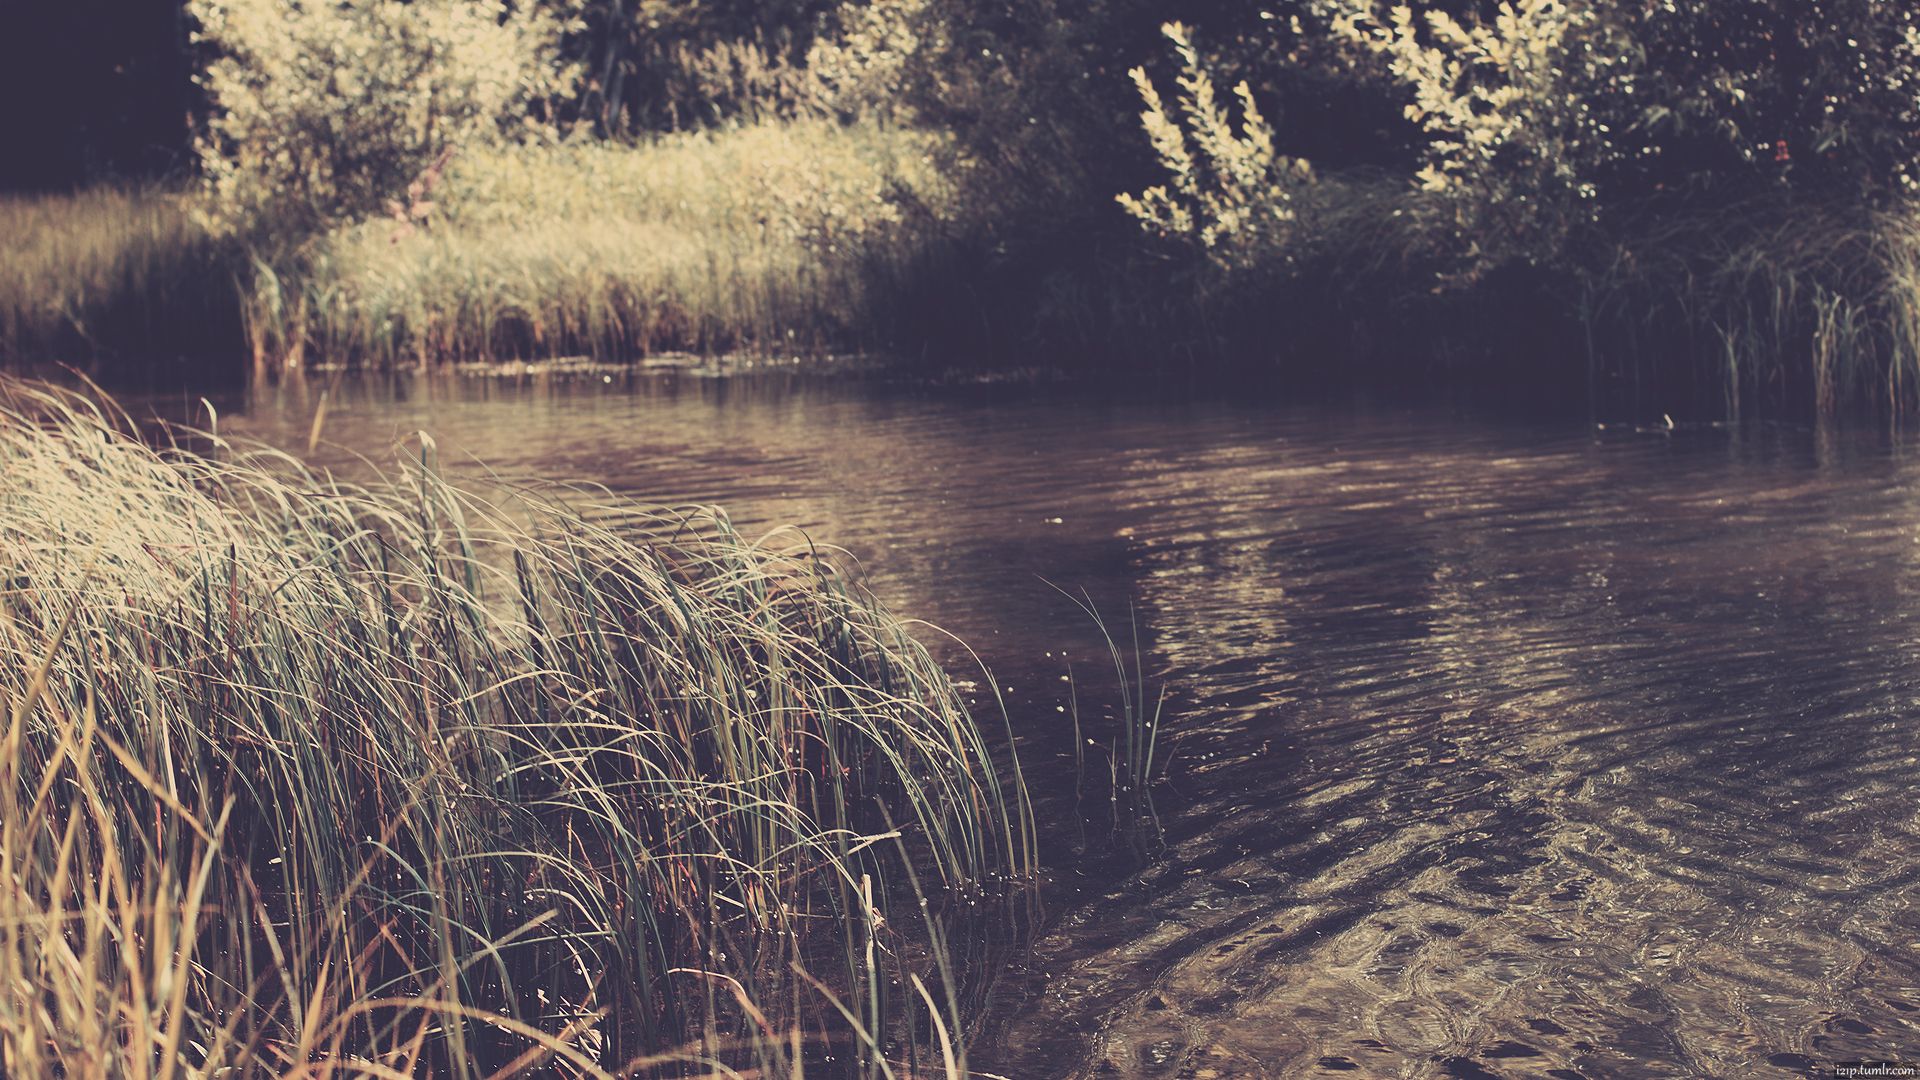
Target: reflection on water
x=1508 y=752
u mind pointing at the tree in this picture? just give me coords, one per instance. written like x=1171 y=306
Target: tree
x=328 y=109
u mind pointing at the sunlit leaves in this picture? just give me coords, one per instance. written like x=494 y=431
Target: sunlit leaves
x=1229 y=190
x=330 y=110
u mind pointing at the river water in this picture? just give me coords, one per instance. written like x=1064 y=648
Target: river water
x=1500 y=749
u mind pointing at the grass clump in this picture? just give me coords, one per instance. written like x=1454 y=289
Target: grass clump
x=128 y=280
x=1761 y=307
x=779 y=237
x=783 y=237
x=306 y=778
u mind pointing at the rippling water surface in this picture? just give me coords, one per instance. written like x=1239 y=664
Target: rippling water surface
x=1502 y=750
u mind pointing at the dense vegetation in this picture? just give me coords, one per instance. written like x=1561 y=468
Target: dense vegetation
x=1700 y=205
x=307 y=779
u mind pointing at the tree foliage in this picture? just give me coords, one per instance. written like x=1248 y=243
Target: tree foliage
x=1511 y=108
x=1820 y=97
x=652 y=65
x=1541 y=124
x=1230 y=191
x=327 y=109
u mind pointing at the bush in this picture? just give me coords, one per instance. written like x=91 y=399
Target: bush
x=1818 y=99
x=668 y=65
x=1553 y=115
x=326 y=110
x=1232 y=194
x=1516 y=138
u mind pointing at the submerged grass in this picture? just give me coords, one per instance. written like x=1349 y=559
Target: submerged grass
x=302 y=778
x=1134 y=760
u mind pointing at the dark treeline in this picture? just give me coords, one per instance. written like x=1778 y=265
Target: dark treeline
x=97 y=90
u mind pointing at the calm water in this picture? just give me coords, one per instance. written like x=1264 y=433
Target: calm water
x=1509 y=751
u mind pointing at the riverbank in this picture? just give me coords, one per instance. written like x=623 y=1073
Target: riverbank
x=126 y=281
x=781 y=239
x=405 y=777
x=804 y=238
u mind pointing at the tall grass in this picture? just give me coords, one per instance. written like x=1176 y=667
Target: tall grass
x=127 y=281
x=782 y=237
x=1134 y=759
x=307 y=779
x=803 y=236
x=778 y=237
x=1759 y=306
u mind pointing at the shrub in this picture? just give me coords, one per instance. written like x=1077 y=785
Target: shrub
x=1816 y=99
x=654 y=65
x=323 y=110
x=1516 y=134
x=869 y=65
x=1550 y=115
x=1231 y=193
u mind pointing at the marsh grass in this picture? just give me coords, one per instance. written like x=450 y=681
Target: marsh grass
x=1135 y=758
x=126 y=281
x=783 y=237
x=303 y=778
x=1762 y=307
x=801 y=236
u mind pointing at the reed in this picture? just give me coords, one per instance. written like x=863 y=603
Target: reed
x=782 y=237
x=308 y=779
x=127 y=281
x=1761 y=307
x=1135 y=762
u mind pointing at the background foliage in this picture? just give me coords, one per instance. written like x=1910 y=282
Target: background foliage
x=1292 y=171
x=320 y=109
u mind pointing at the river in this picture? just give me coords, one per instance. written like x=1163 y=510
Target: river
x=1497 y=749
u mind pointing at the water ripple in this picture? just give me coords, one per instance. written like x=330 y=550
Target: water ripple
x=1507 y=751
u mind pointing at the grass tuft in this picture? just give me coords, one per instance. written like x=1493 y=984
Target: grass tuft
x=304 y=778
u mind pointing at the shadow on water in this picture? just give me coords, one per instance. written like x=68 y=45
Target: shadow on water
x=1505 y=750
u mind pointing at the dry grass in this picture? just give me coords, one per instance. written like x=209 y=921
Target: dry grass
x=781 y=237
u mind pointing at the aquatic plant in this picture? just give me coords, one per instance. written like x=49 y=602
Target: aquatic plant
x=305 y=778
x=1761 y=307
x=1134 y=759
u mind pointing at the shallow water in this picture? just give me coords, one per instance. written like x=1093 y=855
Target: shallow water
x=1502 y=749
